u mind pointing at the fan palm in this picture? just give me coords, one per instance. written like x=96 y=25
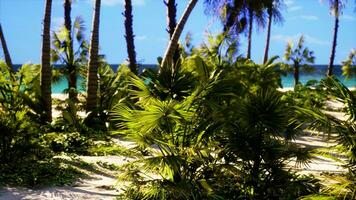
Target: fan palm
x=92 y=76
x=130 y=37
x=300 y=56
x=46 y=73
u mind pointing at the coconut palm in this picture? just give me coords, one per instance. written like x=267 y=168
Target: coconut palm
x=173 y=43
x=64 y=53
x=273 y=8
x=130 y=37
x=46 y=72
x=300 y=56
x=92 y=75
x=4 y=48
x=255 y=10
x=72 y=74
x=335 y=8
x=172 y=23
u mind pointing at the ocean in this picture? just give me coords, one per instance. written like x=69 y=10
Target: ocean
x=287 y=81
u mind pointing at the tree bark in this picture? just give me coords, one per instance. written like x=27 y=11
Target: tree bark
x=249 y=34
x=265 y=57
x=72 y=72
x=173 y=43
x=172 y=23
x=130 y=37
x=333 y=48
x=6 y=51
x=46 y=73
x=92 y=85
x=296 y=74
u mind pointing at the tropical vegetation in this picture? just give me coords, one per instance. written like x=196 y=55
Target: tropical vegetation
x=206 y=123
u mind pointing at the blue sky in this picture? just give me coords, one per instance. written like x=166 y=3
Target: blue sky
x=22 y=24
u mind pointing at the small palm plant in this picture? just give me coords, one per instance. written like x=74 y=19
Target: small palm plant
x=300 y=57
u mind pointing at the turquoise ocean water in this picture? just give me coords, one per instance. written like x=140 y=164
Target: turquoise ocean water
x=287 y=81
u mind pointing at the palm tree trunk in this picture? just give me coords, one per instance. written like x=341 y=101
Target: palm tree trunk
x=296 y=74
x=333 y=48
x=173 y=43
x=92 y=85
x=265 y=57
x=172 y=22
x=249 y=34
x=46 y=73
x=72 y=79
x=6 y=51
x=130 y=37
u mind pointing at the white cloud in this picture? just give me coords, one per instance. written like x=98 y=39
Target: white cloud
x=294 y=38
x=121 y=2
x=310 y=17
x=289 y=2
x=294 y=8
x=141 y=37
x=348 y=17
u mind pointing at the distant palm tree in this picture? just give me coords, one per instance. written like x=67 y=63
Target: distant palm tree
x=72 y=79
x=335 y=8
x=273 y=8
x=173 y=43
x=92 y=85
x=130 y=37
x=255 y=13
x=300 y=57
x=46 y=73
x=6 y=51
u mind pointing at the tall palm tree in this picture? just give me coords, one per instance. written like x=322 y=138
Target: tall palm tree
x=130 y=37
x=335 y=8
x=172 y=22
x=171 y=16
x=92 y=85
x=72 y=79
x=255 y=13
x=6 y=51
x=173 y=43
x=46 y=73
x=273 y=8
x=300 y=57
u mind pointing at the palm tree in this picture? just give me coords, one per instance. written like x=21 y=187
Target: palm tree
x=92 y=85
x=255 y=13
x=274 y=14
x=72 y=78
x=335 y=7
x=6 y=51
x=300 y=57
x=130 y=37
x=232 y=14
x=172 y=22
x=46 y=73
x=173 y=43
